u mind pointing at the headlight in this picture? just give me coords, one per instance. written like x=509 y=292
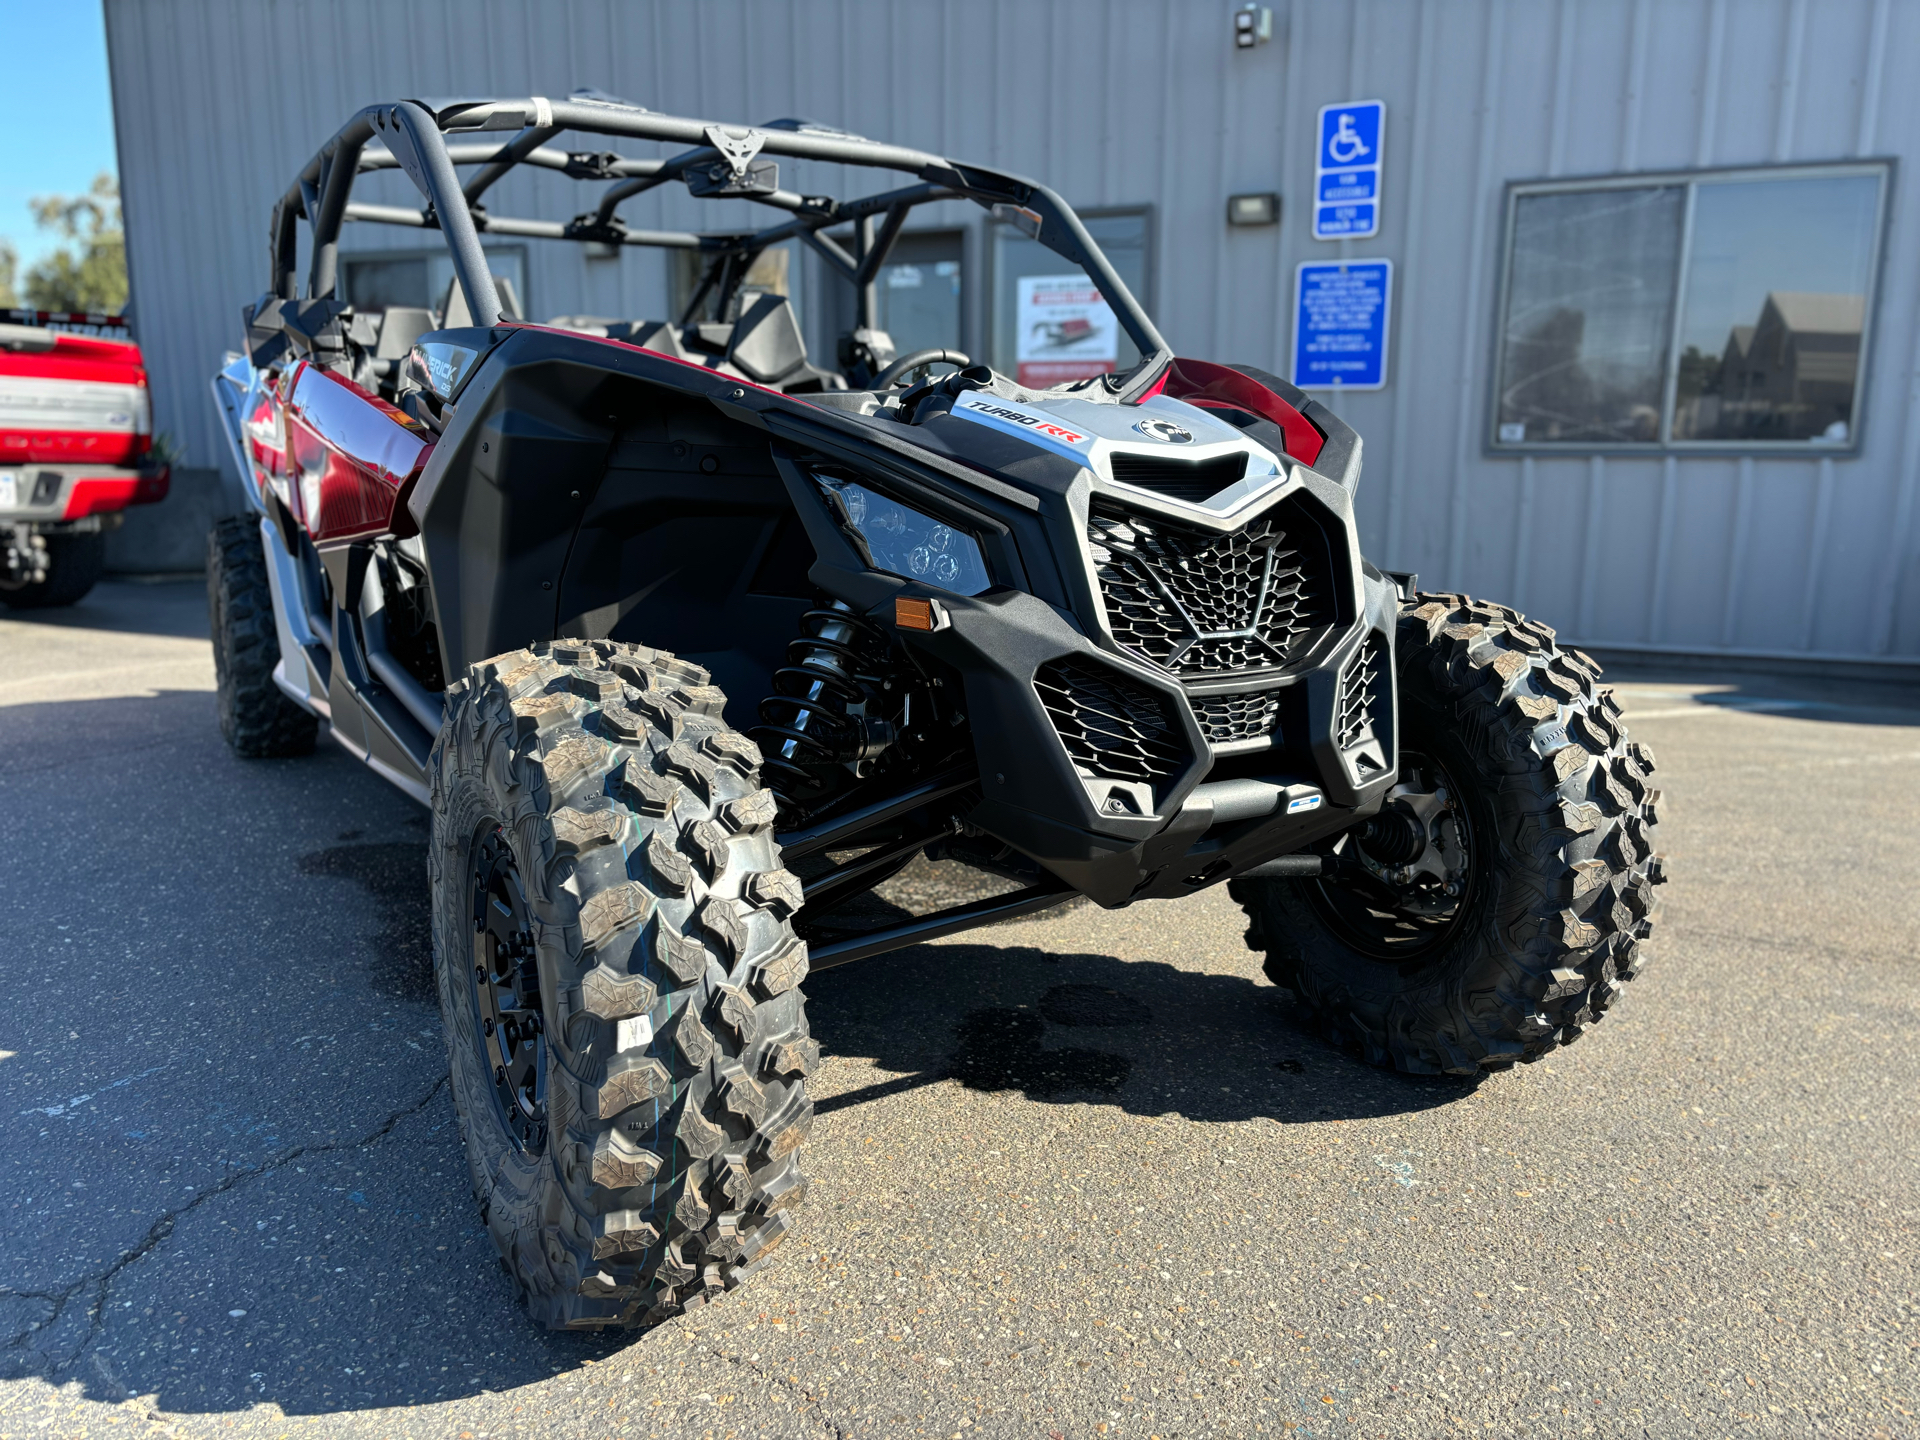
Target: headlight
x=900 y=540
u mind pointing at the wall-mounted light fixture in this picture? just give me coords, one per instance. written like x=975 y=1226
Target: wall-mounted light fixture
x=1253 y=25
x=1261 y=208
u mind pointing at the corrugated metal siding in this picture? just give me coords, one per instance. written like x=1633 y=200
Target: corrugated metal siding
x=1120 y=102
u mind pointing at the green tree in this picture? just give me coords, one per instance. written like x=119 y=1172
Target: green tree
x=9 y=298
x=1699 y=374
x=89 y=270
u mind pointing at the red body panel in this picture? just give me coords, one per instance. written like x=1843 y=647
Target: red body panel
x=349 y=455
x=1203 y=383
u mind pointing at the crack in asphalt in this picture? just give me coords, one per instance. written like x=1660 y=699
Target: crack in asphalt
x=162 y=1228
x=813 y=1401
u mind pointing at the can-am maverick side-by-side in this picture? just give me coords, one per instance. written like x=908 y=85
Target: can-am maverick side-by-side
x=688 y=641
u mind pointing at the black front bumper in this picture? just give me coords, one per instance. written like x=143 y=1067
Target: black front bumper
x=1095 y=833
x=1092 y=761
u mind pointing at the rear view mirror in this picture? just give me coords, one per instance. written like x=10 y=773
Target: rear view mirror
x=1028 y=222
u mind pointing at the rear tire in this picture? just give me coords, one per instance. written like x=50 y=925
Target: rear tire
x=75 y=564
x=256 y=716
x=1546 y=819
x=604 y=859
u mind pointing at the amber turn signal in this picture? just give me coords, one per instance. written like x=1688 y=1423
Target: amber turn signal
x=911 y=614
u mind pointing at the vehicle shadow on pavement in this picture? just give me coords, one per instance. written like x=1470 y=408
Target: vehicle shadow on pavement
x=1892 y=701
x=360 y=1277
x=334 y=1261
x=1084 y=1028
x=164 y=605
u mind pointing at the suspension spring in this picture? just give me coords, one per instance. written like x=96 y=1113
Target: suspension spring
x=810 y=732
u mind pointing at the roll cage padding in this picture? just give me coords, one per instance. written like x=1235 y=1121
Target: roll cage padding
x=413 y=132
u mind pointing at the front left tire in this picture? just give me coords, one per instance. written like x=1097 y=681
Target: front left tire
x=619 y=980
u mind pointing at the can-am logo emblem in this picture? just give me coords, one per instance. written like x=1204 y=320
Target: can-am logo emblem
x=1166 y=430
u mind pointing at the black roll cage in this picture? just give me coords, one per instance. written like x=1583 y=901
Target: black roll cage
x=413 y=133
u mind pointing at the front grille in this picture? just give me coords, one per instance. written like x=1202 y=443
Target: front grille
x=1200 y=603
x=1360 y=694
x=1112 y=726
x=1226 y=719
x=1177 y=478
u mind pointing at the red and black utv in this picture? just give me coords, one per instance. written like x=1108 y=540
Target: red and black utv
x=688 y=641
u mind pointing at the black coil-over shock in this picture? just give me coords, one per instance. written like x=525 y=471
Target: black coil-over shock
x=813 y=728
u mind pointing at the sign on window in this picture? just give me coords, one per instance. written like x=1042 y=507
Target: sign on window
x=1064 y=330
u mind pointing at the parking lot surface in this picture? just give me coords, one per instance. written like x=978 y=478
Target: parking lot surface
x=1079 y=1175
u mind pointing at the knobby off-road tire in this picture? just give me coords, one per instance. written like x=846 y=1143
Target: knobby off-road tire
x=675 y=1036
x=75 y=564
x=1557 y=905
x=256 y=717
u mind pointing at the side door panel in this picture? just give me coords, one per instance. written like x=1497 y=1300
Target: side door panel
x=349 y=454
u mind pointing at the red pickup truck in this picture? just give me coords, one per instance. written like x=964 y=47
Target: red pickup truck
x=76 y=449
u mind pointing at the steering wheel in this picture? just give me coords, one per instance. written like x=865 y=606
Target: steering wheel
x=915 y=361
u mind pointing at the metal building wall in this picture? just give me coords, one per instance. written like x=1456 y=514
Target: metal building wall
x=1121 y=102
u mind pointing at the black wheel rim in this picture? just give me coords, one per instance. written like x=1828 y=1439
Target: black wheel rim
x=506 y=982
x=1397 y=910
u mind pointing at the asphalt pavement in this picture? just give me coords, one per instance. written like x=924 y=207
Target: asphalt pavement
x=1080 y=1175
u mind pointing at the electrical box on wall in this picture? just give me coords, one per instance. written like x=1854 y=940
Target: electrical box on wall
x=1253 y=25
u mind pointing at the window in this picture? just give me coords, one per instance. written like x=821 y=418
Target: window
x=420 y=279
x=1049 y=324
x=920 y=294
x=917 y=294
x=1700 y=310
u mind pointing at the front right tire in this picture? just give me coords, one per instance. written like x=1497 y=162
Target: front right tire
x=619 y=981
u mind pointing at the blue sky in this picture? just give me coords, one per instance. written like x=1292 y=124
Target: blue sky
x=57 y=78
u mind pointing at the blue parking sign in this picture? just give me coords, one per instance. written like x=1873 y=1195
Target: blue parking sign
x=1347 y=170
x=1340 y=324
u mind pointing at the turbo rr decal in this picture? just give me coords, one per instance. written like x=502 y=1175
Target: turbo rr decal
x=1038 y=427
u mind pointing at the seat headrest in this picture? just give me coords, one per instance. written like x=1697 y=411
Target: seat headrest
x=766 y=344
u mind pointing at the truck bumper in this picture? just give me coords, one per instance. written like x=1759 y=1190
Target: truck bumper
x=50 y=495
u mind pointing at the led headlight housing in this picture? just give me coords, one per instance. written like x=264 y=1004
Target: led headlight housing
x=903 y=541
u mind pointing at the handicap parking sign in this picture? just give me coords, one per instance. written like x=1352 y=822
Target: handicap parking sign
x=1347 y=170
x=1340 y=324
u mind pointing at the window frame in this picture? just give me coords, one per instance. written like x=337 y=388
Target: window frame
x=991 y=263
x=1883 y=168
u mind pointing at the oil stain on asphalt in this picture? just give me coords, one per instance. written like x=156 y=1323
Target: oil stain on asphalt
x=1000 y=1047
x=394 y=874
